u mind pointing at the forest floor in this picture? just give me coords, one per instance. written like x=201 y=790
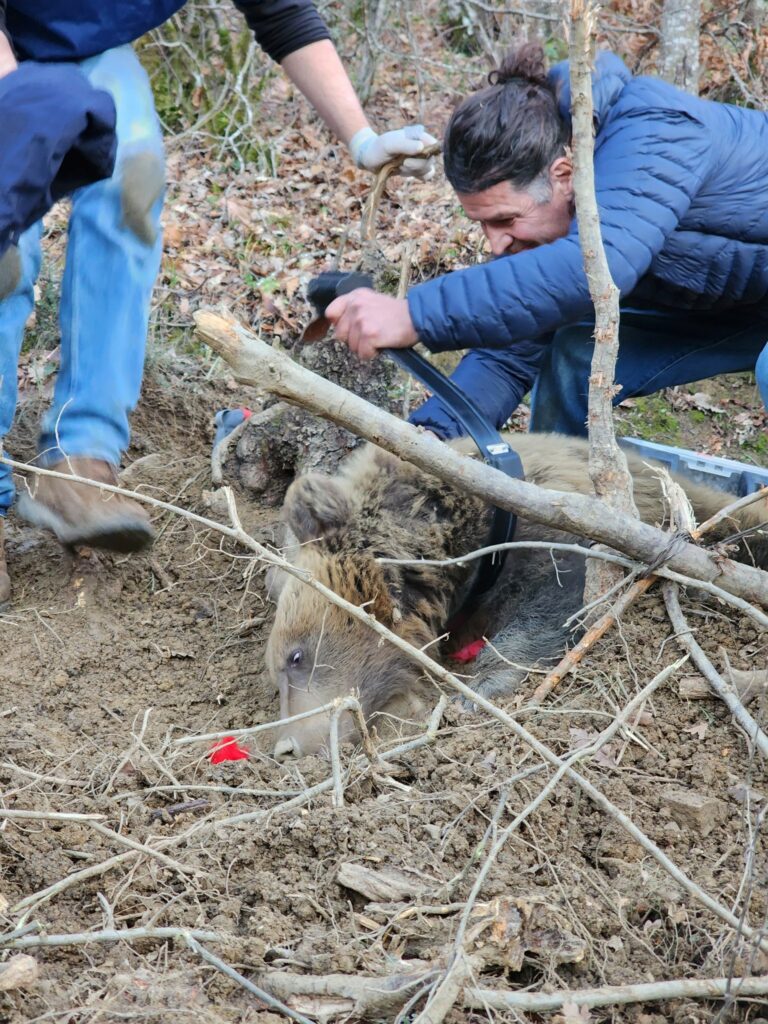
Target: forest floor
x=110 y=660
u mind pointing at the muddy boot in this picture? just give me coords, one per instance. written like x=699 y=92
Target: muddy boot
x=5 y=579
x=82 y=514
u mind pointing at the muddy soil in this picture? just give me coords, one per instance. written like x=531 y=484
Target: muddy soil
x=109 y=660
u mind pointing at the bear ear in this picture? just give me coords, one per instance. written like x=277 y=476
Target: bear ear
x=315 y=505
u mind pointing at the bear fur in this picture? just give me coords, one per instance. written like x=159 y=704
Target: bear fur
x=377 y=506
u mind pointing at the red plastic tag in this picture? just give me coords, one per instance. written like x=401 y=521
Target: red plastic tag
x=227 y=749
x=469 y=652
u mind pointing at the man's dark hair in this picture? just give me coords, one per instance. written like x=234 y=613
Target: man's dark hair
x=509 y=131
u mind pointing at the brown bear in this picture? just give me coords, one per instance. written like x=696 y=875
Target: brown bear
x=378 y=506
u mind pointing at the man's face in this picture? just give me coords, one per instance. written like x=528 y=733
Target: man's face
x=513 y=221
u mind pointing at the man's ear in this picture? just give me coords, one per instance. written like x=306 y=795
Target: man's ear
x=561 y=175
x=315 y=505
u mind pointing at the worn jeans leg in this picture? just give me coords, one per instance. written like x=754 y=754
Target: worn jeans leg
x=107 y=284
x=656 y=350
x=761 y=374
x=14 y=313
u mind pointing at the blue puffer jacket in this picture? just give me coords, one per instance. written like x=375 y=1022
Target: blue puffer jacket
x=682 y=188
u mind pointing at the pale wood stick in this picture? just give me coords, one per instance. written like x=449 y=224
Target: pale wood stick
x=114 y=935
x=380 y=997
x=22 y=815
x=374 y=196
x=590 y=638
x=618 y=995
x=253 y=729
x=255 y=362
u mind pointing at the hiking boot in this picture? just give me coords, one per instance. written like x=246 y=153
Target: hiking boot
x=82 y=514
x=5 y=579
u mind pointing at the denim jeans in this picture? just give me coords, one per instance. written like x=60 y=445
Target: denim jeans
x=105 y=295
x=656 y=350
x=761 y=375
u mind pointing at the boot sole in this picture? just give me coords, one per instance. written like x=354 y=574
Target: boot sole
x=123 y=534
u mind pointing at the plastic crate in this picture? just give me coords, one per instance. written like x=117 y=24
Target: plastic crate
x=735 y=478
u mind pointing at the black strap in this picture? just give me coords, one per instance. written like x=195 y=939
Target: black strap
x=493 y=448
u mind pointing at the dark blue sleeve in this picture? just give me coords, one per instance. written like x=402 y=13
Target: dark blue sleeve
x=495 y=379
x=648 y=167
x=282 y=26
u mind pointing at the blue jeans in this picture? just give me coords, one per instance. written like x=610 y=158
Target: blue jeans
x=656 y=350
x=761 y=375
x=105 y=295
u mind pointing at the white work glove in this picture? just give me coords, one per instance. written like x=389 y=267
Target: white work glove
x=371 y=151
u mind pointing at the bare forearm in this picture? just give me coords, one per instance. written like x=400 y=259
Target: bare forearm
x=317 y=71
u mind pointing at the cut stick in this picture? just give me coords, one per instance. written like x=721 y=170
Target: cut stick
x=254 y=362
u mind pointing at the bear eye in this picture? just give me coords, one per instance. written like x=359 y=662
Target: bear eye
x=295 y=658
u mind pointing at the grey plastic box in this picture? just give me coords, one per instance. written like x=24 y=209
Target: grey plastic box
x=737 y=478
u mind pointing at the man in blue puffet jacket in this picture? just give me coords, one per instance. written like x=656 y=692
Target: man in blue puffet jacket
x=114 y=243
x=682 y=192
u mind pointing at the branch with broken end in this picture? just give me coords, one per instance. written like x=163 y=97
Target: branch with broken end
x=255 y=362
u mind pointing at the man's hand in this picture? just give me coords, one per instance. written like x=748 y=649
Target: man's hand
x=371 y=151
x=368 y=321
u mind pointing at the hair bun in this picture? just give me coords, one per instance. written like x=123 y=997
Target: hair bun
x=525 y=65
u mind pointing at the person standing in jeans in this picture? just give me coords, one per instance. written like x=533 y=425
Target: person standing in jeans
x=114 y=245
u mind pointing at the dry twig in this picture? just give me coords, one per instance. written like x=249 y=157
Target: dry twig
x=725 y=692
x=255 y=362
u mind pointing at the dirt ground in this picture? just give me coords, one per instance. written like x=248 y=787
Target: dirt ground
x=109 y=660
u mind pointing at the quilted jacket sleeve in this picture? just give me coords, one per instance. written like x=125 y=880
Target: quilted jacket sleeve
x=496 y=380
x=648 y=167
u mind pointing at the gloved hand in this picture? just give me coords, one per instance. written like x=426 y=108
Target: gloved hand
x=371 y=151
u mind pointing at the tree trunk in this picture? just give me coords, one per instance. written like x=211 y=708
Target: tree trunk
x=680 y=43
x=607 y=462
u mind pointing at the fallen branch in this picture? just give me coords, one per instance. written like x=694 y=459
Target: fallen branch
x=253 y=729
x=255 y=362
x=748 y=684
x=725 y=692
x=618 y=995
x=230 y=972
x=115 y=935
x=22 y=815
x=590 y=638
x=371 y=996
